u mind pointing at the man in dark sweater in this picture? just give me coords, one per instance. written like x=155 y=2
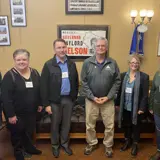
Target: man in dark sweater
x=59 y=89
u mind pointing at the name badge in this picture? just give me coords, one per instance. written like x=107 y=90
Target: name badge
x=128 y=90
x=29 y=84
x=64 y=74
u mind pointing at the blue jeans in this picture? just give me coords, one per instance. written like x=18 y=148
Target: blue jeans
x=157 y=125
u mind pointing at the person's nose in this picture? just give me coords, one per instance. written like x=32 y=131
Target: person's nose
x=100 y=46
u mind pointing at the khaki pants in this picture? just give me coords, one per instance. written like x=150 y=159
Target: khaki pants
x=107 y=112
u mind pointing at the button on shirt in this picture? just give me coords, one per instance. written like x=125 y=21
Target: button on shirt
x=65 y=87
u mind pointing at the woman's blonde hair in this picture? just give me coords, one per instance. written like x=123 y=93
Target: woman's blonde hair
x=138 y=57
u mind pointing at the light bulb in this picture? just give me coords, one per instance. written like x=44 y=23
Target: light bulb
x=133 y=13
x=150 y=13
x=142 y=13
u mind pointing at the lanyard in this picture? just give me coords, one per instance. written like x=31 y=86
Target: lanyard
x=16 y=71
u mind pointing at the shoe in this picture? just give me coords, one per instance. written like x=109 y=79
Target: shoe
x=68 y=150
x=109 y=152
x=89 y=149
x=126 y=145
x=156 y=156
x=55 y=152
x=134 y=149
x=33 y=150
x=28 y=145
x=27 y=155
x=19 y=156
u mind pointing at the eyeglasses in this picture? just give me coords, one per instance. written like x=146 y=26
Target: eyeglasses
x=134 y=63
x=98 y=46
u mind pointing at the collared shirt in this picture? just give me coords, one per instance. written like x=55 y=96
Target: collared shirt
x=65 y=87
x=129 y=94
x=100 y=65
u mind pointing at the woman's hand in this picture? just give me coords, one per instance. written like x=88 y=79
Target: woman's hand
x=140 y=112
x=39 y=108
x=13 y=120
x=151 y=111
x=117 y=107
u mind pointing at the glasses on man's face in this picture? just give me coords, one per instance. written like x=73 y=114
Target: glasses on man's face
x=98 y=46
x=134 y=63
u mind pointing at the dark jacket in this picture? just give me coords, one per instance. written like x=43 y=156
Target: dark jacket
x=0 y=100
x=51 y=80
x=142 y=98
x=0 y=89
x=155 y=94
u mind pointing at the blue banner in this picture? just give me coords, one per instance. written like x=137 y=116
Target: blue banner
x=137 y=42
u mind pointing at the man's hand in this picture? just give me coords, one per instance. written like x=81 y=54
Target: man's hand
x=13 y=120
x=100 y=100
x=97 y=100
x=140 y=112
x=39 y=108
x=103 y=100
x=48 y=110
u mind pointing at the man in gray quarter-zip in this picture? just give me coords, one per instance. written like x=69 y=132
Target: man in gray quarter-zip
x=100 y=82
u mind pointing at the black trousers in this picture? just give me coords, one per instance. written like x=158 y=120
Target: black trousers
x=60 y=122
x=21 y=133
x=131 y=131
x=29 y=122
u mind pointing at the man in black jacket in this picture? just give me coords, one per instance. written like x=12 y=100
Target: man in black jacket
x=59 y=89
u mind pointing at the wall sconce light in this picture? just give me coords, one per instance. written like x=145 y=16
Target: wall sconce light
x=140 y=28
x=145 y=15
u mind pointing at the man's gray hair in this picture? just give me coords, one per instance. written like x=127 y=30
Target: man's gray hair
x=104 y=39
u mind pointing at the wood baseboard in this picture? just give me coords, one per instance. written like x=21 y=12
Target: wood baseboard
x=99 y=135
